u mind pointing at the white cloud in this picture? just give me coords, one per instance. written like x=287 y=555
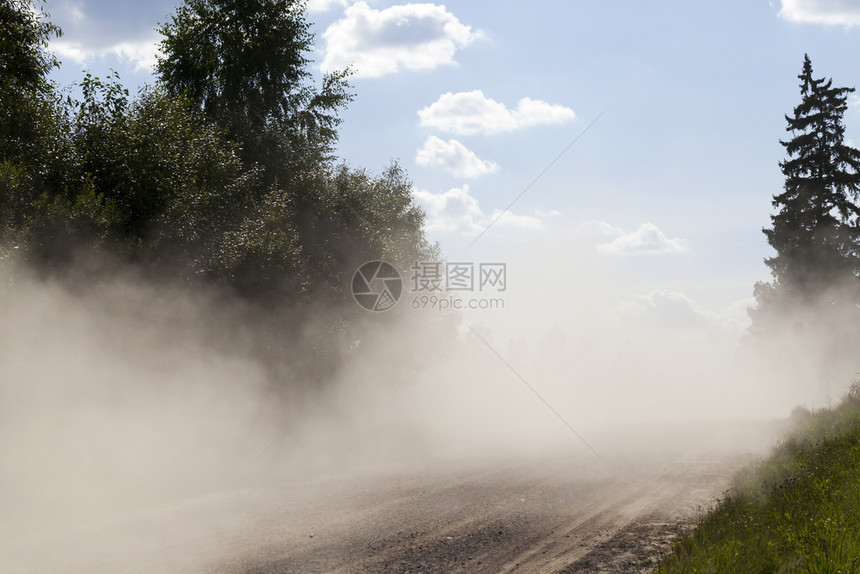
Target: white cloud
x=736 y=315
x=75 y=11
x=405 y=37
x=511 y=219
x=648 y=239
x=671 y=309
x=454 y=210
x=551 y=213
x=324 y=5
x=141 y=55
x=601 y=228
x=457 y=211
x=70 y=51
x=453 y=157
x=668 y=309
x=90 y=35
x=832 y=12
x=467 y=113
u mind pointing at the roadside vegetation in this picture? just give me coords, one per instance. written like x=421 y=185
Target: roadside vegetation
x=799 y=509
x=221 y=172
x=796 y=511
x=220 y=177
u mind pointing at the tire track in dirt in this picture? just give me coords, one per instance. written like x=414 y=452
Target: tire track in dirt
x=549 y=516
x=495 y=521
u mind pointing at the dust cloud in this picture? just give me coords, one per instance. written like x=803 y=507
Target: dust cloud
x=125 y=397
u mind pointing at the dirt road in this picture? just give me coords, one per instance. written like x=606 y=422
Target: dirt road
x=542 y=515
x=551 y=516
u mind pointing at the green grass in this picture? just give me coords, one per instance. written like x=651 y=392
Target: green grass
x=797 y=511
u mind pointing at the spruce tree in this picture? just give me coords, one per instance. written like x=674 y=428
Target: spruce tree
x=816 y=228
x=812 y=300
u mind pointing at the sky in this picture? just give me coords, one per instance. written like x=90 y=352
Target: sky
x=618 y=156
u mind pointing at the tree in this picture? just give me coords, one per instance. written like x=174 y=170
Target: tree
x=24 y=65
x=221 y=173
x=815 y=231
x=243 y=64
x=29 y=130
x=24 y=59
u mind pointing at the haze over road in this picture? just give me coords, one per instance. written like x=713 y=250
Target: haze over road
x=550 y=514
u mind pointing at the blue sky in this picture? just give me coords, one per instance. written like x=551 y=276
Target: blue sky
x=663 y=197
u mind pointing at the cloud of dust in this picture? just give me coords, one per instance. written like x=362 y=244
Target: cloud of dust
x=603 y=344
x=124 y=396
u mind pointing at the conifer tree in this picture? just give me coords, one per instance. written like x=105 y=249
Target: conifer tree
x=809 y=314
x=816 y=228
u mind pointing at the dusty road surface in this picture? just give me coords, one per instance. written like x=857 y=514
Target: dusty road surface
x=552 y=514
x=548 y=517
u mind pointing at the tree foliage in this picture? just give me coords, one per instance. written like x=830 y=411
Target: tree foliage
x=815 y=290
x=28 y=112
x=816 y=228
x=222 y=172
x=24 y=89
x=243 y=64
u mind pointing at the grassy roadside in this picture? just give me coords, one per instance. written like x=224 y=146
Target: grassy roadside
x=796 y=511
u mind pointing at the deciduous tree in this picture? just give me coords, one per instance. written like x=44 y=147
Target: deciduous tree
x=244 y=64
